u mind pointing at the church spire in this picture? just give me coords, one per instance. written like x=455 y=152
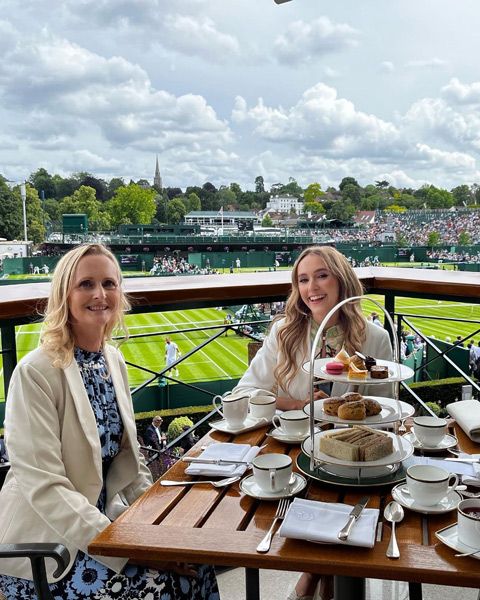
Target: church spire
x=157 y=179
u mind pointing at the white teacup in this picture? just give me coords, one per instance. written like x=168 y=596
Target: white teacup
x=272 y=472
x=234 y=408
x=468 y=531
x=429 y=431
x=428 y=484
x=263 y=405
x=292 y=422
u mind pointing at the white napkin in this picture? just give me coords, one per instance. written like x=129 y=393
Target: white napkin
x=467 y=414
x=321 y=522
x=243 y=452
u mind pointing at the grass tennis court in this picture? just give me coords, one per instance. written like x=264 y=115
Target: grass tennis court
x=226 y=357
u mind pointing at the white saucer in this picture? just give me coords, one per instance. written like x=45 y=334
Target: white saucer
x=249 y=424
x=249 y=487
x=279 y=435
x=449 y=536
x=448 y=441
x=447 y=504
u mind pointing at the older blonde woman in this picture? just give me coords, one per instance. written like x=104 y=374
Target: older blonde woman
x=321 y=277
x=75 y=461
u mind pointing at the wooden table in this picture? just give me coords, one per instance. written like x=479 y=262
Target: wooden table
x=202 y=524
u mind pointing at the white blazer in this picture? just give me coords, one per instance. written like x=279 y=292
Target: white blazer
x=260 y=373
x=52 y=488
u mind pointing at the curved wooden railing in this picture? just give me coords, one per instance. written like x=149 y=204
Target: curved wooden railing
x=23 y=302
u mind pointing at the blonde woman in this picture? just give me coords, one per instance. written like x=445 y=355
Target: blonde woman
x=321 y=278
x=75 y=461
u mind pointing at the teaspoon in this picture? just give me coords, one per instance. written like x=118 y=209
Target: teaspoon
x=393 y=513
x=218 y=484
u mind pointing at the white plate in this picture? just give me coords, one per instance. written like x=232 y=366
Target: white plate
x=390 y=412
x=396 y=372
x=278 y=434
x=449 y=441
x=249 y=487
x=449 y=536
x=401 y=495
x=402 y=449
x=249 y=424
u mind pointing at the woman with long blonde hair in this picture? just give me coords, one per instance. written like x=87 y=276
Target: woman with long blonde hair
x=72 y=440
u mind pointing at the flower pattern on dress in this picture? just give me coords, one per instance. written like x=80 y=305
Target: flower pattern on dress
x=89 y=579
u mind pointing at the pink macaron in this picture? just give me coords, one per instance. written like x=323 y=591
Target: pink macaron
x=334 y=367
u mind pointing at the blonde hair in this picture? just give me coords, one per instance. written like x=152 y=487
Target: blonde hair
x=57 y=336
x=292 y=334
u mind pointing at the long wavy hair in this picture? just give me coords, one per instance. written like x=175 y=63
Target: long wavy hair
x=57 y=335
x=293 y=333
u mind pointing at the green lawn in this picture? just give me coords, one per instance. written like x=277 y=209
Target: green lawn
x=226 y=357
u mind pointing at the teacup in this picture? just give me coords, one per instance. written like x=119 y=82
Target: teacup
x=263 y=405
x=468 y=528
x=272 y=472
x=429 y=431
x=234 y=408
x=292 y=422
x=428 y=484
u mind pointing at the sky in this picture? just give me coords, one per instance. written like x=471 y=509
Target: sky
x=226 y=90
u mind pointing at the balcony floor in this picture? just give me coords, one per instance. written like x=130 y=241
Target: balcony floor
x=232 y=587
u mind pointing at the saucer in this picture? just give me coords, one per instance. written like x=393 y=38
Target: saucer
x=445 y=505
x=249 y=487
x=249 y=424
x=448 y=441
x=280 y=436
x=449 y=536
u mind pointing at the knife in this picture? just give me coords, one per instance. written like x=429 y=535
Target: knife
x=214 y=461
x=464 y=460
x=352 y=517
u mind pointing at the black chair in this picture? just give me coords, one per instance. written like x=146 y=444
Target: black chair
x=37 y=554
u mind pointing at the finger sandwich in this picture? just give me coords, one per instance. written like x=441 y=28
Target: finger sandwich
x=356 y=444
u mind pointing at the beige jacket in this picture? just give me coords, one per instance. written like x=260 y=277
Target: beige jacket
x=54 y=483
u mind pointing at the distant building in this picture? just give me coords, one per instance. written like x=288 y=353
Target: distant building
x=217 y=218
x=284 y=204
x=157 y=179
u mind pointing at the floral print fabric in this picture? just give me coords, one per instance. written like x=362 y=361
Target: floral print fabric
x=88 y=578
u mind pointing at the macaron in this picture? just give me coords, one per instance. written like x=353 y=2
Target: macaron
x=334 y=367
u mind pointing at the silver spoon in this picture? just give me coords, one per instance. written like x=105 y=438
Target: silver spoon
x=393 y=513
x=218 y=484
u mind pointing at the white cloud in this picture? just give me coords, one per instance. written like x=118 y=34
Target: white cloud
x=430 y=63
x=387 y=66
x=303 y=42
x=462 y=93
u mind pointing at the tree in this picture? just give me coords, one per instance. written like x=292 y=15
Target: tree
x=192 y=202
x=351 y=194
x=291 y=188
x=98 y=185
x=259 y=185
x=439 y=198
x=462 y=195
x=11 y=220
x=83 y=201
x=132 y=204
x=382 y=184
x=236 y=189
x=42 y=181
x=433 y=238
x=35 y=216
x=267 y=221
x=313 y=192
x=341 y=211
x=226 y=197
x=176 y=211
x=172 y=192
x=347 y=181
x=464 y=238
x=113 y=185
x=65 y=186
x=313 y=207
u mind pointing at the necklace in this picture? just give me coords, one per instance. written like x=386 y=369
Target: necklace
x=96 y=365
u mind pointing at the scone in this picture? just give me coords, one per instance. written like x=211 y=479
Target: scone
x=330 y=405
x=352 y=411
x=372 y=407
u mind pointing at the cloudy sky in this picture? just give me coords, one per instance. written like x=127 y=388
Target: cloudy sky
x=225 y=90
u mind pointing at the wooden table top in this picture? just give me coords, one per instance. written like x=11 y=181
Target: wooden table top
x=202 y=524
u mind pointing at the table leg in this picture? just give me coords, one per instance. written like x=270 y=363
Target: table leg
x=252 y=584
x=348 y=588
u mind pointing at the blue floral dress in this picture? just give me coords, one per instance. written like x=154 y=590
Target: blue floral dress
x=88 y=578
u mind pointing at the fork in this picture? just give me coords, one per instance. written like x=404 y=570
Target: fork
x=402 y=428
x=264 y=545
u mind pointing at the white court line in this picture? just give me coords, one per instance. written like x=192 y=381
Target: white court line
x=230 y=352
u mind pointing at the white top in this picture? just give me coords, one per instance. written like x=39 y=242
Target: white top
x=171 y=351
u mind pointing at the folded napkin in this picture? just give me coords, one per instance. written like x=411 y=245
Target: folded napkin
x=321 y=522
x=243 y=452
x=467 y=414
